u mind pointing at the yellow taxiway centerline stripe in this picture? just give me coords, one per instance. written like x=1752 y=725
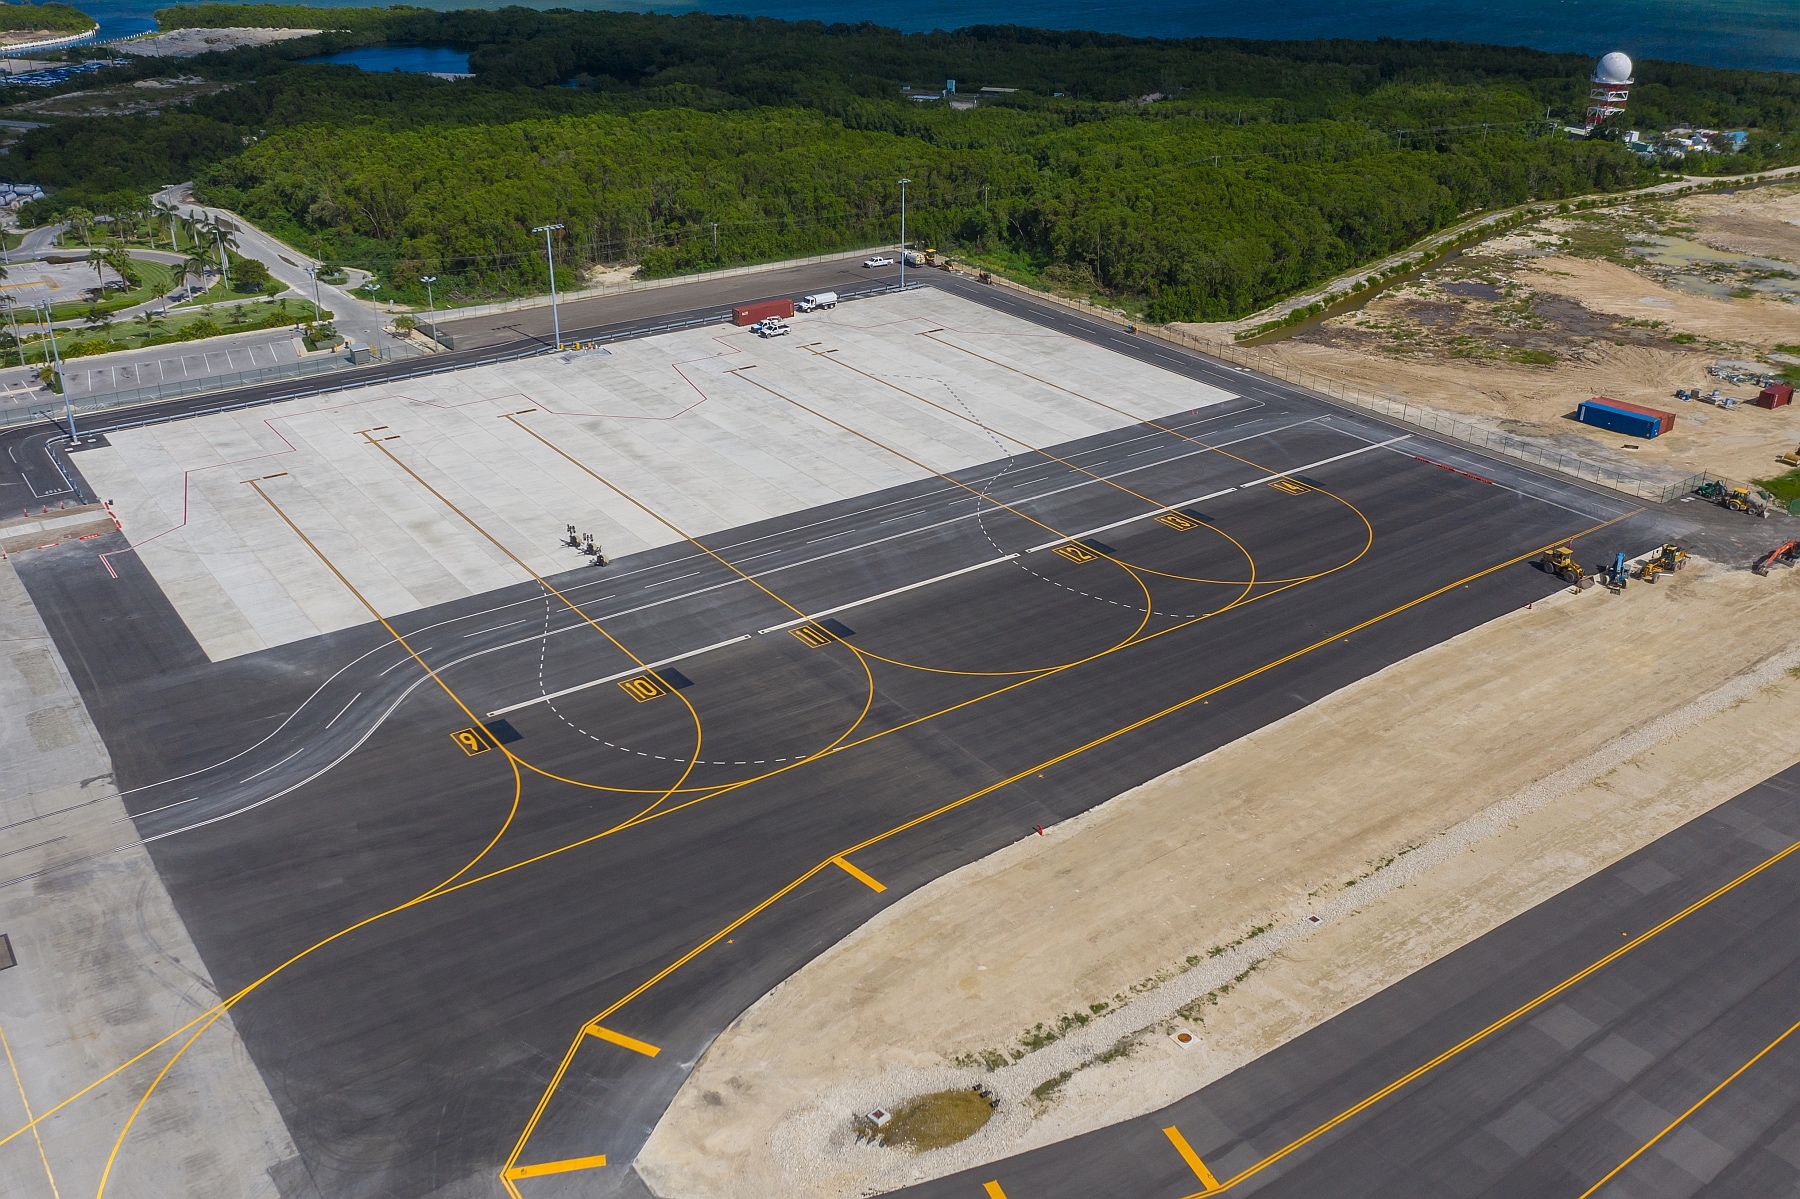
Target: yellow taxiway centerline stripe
x=993 y=1190
x=562 y=1167
x=856 y=874
x=619 y=1038
x=1191 y=1158
x=1704 y=1100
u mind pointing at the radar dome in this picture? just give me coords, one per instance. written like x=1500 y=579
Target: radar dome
x=1614 y=68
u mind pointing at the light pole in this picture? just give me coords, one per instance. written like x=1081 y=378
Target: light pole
x=68 y=403
x=314 y=272
x=903 y=184
x=550 y=258
x=430 y=302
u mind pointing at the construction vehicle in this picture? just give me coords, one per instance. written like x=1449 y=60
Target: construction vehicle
x=1784 y=554
x=1559 y=560
x=1616 y=576
x=1668 y=559
x=1792 y=459
x=1753 y=500
x=1744 y=499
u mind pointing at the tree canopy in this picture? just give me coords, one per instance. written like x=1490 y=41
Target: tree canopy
x=1202 y=177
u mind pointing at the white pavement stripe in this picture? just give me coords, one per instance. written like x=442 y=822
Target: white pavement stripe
x=343 y=709
x=623 y=674
x=1155 y=512
x=283 y=762
x=776 y=628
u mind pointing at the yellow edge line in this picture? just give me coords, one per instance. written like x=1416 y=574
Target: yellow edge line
x=594 y=1029
x=1191 y=1158
x=856 y=874
x=562 y=1167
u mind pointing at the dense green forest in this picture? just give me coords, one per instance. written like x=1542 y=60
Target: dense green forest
x=51 y=17
x=1197 y=179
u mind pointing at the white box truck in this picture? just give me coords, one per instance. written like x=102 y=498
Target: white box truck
x=812 y=303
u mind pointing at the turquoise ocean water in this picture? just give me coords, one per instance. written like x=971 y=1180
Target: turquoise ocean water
x=1764 y=34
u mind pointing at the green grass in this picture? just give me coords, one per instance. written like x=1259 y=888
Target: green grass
x=936 y=1120
x=1785 y=488
x=154 y=278
x=189 y=326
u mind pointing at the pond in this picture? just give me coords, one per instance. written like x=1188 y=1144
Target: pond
x=425 y=60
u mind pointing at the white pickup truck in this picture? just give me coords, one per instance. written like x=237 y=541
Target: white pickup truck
x=771 y=326
x=812 y=303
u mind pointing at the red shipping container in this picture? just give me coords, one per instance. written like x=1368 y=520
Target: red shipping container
x=749 y=314
x=1665 y=420
x=1775 y=395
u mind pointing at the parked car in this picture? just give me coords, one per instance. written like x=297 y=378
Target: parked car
x=772 y=326
x=878 y=260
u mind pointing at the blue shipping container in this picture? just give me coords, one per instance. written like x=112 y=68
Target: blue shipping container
x=1604 y=416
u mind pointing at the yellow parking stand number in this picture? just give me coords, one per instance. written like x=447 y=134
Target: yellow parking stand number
x=1176 y=520
x=1076 y=553
x=1291 y=486
x=470 y=742
x=641 y=687
x=812 y=636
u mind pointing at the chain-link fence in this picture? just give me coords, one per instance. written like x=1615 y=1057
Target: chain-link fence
x=55 y=407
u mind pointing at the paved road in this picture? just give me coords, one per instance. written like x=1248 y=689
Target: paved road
x=409 y=1055
x=1564 y=1091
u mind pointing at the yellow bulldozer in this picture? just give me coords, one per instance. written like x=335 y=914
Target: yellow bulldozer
x=1559 y=560
x=1668 y=559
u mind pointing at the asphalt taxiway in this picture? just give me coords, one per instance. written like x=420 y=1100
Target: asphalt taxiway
x=1636 y=1035
x=451 y=965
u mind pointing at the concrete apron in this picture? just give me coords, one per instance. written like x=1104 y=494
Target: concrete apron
x=104 y=970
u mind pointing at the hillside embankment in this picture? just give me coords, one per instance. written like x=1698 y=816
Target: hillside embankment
x=1410 y=813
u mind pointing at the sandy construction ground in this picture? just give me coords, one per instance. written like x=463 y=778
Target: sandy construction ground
x=1411 y=812
x=186 y=43
x=1632 y=302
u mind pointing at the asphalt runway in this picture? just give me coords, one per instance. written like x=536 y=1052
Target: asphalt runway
x=653 y=857
x=1575 y=1093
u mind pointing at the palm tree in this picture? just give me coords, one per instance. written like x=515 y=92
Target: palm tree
x=99 y=260
x=195 y=266
x=121 y=263
x=80 y=220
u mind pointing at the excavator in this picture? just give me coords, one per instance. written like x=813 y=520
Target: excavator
x=1667 y=560
x=1559 y=560
x=1784 y=554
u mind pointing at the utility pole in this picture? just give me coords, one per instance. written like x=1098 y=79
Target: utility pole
x=903 y=184
x=715 y=226
x=430 y=302
x=314 y=272
x=550 y=258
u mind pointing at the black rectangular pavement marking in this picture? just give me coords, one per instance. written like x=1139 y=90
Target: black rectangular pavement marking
x=674 y=678
x=836 y=628
x=1098 y=546
x=503 y=732
x=7 y=960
